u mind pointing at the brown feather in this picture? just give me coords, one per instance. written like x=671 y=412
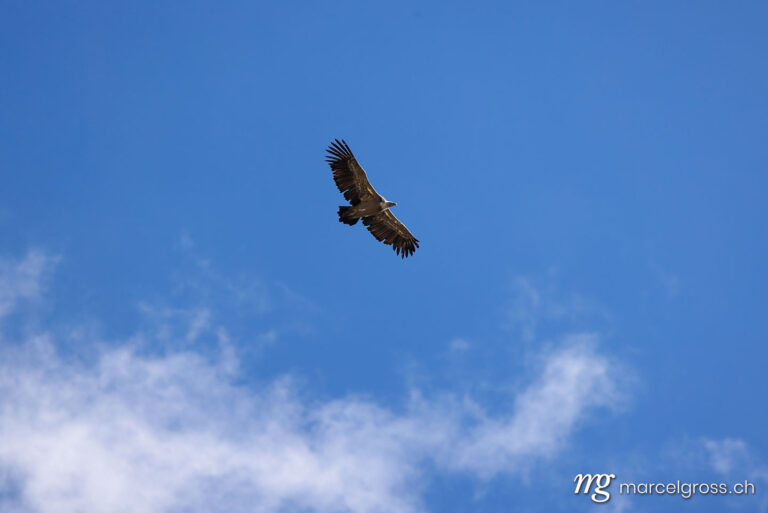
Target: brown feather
x=349 y=176
x=353 y=183
x=385 y=227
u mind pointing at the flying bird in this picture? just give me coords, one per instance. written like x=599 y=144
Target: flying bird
x=366 y=203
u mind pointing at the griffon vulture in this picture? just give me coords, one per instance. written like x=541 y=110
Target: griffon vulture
x=366 y=203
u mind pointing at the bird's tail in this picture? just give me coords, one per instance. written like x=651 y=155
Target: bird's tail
x=346 y=216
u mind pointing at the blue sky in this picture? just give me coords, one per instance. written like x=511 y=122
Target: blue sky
x=185 y=326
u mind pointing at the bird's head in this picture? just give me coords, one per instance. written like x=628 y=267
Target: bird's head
x=390 y=204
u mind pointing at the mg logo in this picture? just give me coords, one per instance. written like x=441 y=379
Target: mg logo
x=601 y=481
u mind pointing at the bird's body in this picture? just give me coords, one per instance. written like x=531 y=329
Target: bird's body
x=366 y=203
x=366 y=208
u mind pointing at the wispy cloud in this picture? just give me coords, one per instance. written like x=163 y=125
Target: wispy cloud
x=167 y=322
x=573 y=381
x=534 y=305
x=735 y=460
x=136 y=430
x=207 y=284
x=135 y=434
x=669 y=281
x=733 y=457
x=692 y=460
x=22 y=280
x=726 y=454
x=198 y=286
x=458 y=345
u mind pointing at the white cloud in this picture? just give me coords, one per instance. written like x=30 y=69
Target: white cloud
x=22 y=279
x=737 y=461
x=129 y=432
x=167 y=322
x=733 y=457
x=458 y=345
x=534 y=305
x=670 y=282
x=726 y=454
x=134 y=434
x=185 y=241
x=573 y=381
x=207 y=284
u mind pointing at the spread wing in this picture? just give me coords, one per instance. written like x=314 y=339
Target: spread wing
x=389 y=230
x=348 y=174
